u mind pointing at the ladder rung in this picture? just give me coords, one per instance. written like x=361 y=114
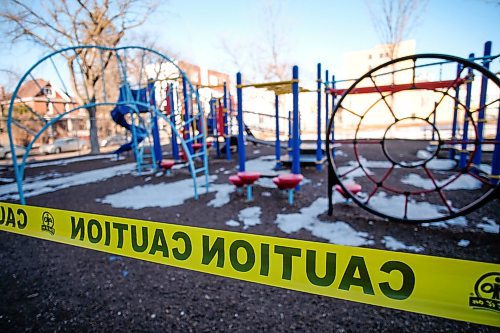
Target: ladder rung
x=199 y=170
x=196 y=137
x=201 y=153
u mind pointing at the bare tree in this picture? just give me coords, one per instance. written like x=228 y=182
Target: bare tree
x=265 y=56
x=82 y=22
x=394 y=20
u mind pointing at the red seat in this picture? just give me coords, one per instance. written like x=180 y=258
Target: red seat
x=236 y=181
x=248 y=177
x=167 y=164
x=277 y=182
x=197 y=146
x=288 y=181
x=353 y=188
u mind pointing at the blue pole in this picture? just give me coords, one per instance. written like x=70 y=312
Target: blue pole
x=154 y=128
x=241 y=141
x=187 y=119
x=226 y=127
x=481 y=119
x=327 y=99
x=495 y=162
x=215 y=131
x=295 y=134
x=290 y=133
x=465 y=135
x=319 y=153
x=455 y=116
x=333 y=118
x=277 y=148
x=175 y=147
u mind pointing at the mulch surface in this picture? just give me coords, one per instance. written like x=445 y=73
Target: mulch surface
x=47 y=286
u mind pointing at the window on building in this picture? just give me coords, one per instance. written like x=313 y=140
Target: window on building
x=369 y=56
x=47 y=91
x=195 y=77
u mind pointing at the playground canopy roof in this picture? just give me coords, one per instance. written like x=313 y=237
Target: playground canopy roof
x=279 y=87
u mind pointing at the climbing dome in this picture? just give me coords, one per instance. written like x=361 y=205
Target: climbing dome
x=421 y=135
x=91 y=92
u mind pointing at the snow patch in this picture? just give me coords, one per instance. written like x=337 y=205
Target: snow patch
x=393 y=244
x=37 y=187
x=264 y=165
x=233 y=223
x=489 y=225
x=250 y=216
x=441 y=164
x=70 y=160
x=394 y=206
x=166 y=194
x=424 y=154
x=222 y=195
x=463 y=182
x=265 y=182
x=340 y=153
x=335 y=232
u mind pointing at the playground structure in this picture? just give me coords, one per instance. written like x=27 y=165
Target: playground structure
x=220 y=121
x=154 y=94
x=137 y=104
x=448 y=124
x=299 y=152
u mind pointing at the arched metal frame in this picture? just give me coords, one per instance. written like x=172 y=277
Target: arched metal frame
x=334 y=178
x=19 y=167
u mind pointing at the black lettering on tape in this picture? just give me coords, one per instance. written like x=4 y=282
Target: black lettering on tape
x=216 y=249
x=288 y=253
x=408 y=280
x=249 y=253
x=77 y=228
x=97 y=236
x=357 y=264
x=135 y=245
x=330 y=267
x=159 y=243
x=188 y=247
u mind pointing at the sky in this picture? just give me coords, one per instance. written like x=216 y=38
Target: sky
x=316 y=31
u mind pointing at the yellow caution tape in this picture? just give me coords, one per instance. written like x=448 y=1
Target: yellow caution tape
x=449 y=288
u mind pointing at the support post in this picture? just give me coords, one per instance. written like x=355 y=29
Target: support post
x=226 y=126
x=319 y=153
x=187 y=119
x=481 y=118
x=465 y=135
x=333 y=118
x=290 y=135
x=241 y=141
x=215 y=130
x=295 y=125
x=277 y=148
x=454 y=128
x=155 y=131
x=495 y=162
x=327 y=102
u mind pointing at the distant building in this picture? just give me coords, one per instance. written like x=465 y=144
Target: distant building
x=38 y=101
x=358 y=63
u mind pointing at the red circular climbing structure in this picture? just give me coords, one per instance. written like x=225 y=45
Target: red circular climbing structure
x=415 y=133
